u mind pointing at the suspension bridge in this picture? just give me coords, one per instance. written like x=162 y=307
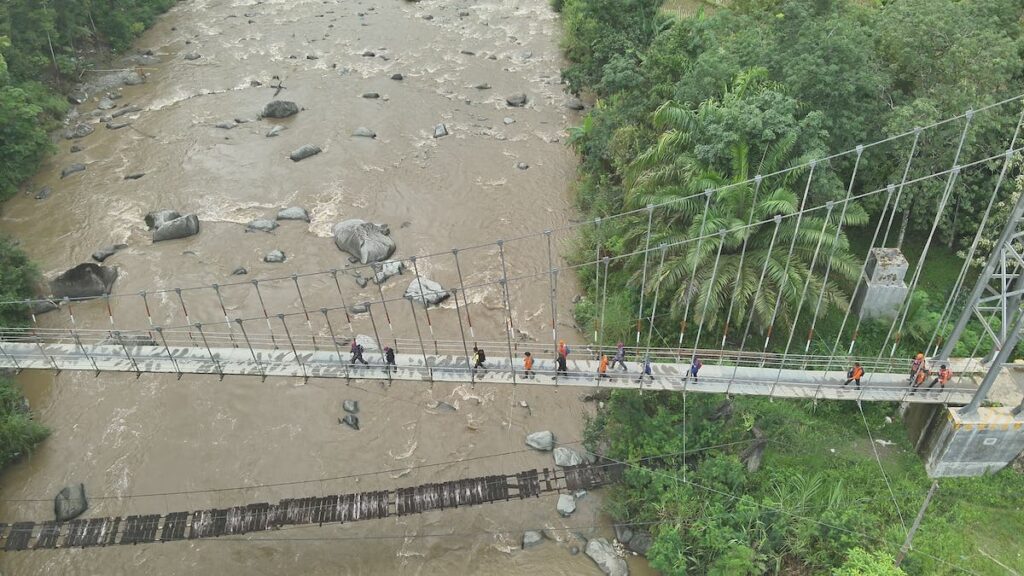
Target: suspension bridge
x=228 y=329
x=302 y=325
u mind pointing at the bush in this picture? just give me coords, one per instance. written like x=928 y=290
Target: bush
x=19 y=433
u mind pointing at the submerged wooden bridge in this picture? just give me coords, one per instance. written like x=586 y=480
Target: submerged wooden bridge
x=318 y=510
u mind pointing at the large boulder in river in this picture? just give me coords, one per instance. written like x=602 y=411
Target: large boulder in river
x=304 y=152
x=516 y=100
x=181 y=227
x=386 y=269
x=280 y=109
x=603 y=554
x=543 y=440
x=425 y=291
x=261 y=225
x=79 y=131
x=363 y=240
x=293 y=213
x=84 y=281
x=72 y=169
x=567 y=457
x=70 y=502
x=158 y=218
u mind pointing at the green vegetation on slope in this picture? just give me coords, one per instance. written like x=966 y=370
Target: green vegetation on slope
x=39 y=44
x=19 y=433
x=688 y=100
x=816 y=498
x=687 y=103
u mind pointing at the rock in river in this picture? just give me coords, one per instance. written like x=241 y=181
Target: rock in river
x=293 y=213
x=71 y=170
x=543 y=440
x=566 y=505
x=440 y=130
x=531 y=538
x=261 y=225
x=574 y=104
x=384 y=270
x=351 y=420
x=425 y=291
x=275 y=131
x=567 y=457
x=516 y=100
x=363 y=240
x=364 y=132
x=158 y=218
x=70 y=502
x=84 y=281
x=305 y=152
x=603 y=554
x=107 y=251
x=181 y=227
x=79 y=131
x=280 y=109
x=274 y=257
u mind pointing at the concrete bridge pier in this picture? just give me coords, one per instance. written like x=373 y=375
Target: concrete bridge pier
x=973 y=444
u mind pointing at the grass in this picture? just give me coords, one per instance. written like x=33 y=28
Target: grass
x=19 y=433
x=687 y=8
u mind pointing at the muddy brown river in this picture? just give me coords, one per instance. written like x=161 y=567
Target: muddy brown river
x=157 y=444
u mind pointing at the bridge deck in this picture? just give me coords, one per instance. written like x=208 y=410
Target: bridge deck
x=741 y=380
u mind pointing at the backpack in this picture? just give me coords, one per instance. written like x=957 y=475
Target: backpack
x=480 y=353
x=359 y=349
x=567 y=350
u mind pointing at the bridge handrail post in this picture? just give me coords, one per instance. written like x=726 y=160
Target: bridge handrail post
x=295 y=352
x=259 y=365
x=174 y=362
x=462 y=332
x=117 y=335
x=302 y=302
x=423 y=297
x=78 y=340
x=369 y=308
x=509 y=327
x=220 y=370
x=419 y=335
x=224 y=310
x=334 y=337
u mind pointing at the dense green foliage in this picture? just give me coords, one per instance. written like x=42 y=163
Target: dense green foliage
x=19 y=433
x=817 y=497
x=39 y=43
x=18 y=279
x=689 y=103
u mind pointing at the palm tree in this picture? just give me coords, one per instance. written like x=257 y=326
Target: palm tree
x=737 y=277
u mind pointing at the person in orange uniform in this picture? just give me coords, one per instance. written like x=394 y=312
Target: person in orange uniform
x=920 y=377
x=855 y=374
x=563 y=349
x=916 y=365
x=528 y=365
x=602 y=369
x=941 y=377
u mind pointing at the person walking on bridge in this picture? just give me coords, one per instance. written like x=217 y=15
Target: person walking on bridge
x=695 y=367
x=916 y=365
x=620 y=357
x=602 y=368
x=389 y=359
x=563 y=349
x=854 y=375
x=562 y=366
x=919 y=377
x=478 y=359
x=646 y=371
x=528 y=366
x=941 y=377
x=357 y=354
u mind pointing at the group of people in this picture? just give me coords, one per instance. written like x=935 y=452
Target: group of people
x=918 y=374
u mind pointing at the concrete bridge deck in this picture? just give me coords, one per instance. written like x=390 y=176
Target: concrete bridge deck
x=582 y=373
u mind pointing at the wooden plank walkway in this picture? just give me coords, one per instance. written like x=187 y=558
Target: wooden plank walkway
x=319 y=510
x=742 y=380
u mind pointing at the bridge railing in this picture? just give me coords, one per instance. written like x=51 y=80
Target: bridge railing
x=253 y=338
